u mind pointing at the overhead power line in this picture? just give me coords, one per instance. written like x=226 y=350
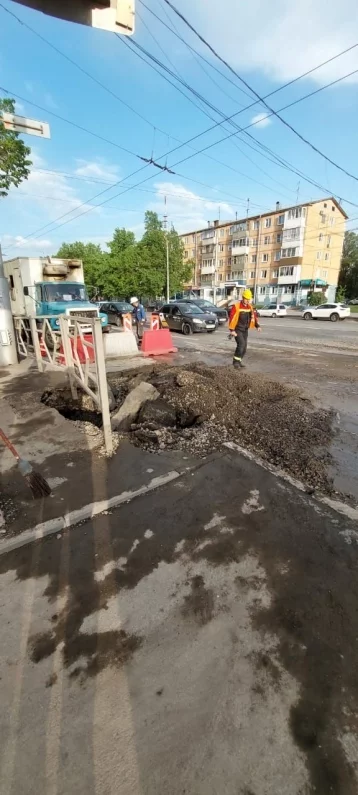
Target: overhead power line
x=261 y=99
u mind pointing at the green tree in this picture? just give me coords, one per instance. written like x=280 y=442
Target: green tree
x=348 y=276
x=14 y=155
x=153 y=256
x=315 y=299
x=122 y=239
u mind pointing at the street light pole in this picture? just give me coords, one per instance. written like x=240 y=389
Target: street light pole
x=165 y=225
x=168 y=291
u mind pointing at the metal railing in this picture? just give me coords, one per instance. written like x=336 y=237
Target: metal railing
x=77 y=347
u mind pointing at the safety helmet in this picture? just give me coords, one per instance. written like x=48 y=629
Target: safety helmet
x=134 y=300
x=247 y=294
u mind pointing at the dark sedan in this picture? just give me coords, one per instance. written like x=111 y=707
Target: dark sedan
x=207 y=306
x=187 y=318
x=115 y=311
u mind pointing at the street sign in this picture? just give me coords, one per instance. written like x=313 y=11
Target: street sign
x=117 y=16
x=21 y=124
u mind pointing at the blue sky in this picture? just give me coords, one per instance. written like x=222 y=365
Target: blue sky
x=268 y=44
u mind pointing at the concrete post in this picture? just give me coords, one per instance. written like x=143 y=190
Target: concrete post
x=8 y=352
x=36 y=344
x=102 y=383
x=67 y=352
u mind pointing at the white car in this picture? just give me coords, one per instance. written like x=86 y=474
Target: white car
x=272 y=310
x=331 y=312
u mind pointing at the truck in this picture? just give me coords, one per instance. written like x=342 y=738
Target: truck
x=49 y=286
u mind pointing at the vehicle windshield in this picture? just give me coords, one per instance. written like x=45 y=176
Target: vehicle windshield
x=190 y=309
x=206 y=304
x=123 y=306
x=65 y=292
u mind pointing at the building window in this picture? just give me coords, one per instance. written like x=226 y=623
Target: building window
x=222 y=232
x=254 y=242
x=287 y=270
x=327 y=255
x=220 y=277
x=265 y=258
x=292 y=234
x=262 y=290
x=281 y=219
x=289 y=289
x=267 y=240
x=185 y=255
x=323 y=218
x=332 y=221
x=277 y=256
x=278 y=238
x=252 y=274
x=329 y=238
x=325 y=205
x=268 y=222
x=221 y=262
x=324 y=274
x=263 y=274
x=288 y=252
x=185 y=240
x=296 y=212
x=221 y=248
x=319 y=255
x=333 y=209
x=253 y=259
x=320 y=237
x=229 y=261
x=275 y=274
x=256 y=224
x=274 y=290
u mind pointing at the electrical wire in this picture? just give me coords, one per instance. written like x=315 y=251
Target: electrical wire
x=261 y=99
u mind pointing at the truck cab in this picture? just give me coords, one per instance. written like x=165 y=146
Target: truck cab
x=49 y=286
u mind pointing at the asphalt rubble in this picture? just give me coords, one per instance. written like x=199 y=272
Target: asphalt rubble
x=197 y=408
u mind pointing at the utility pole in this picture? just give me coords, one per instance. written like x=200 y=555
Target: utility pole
x=165 y=227
x=8 y=352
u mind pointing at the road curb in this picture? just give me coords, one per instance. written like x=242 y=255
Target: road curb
x=336 y=505
x=41 y=531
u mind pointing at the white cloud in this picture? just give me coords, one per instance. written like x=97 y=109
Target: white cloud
x=98 y=169
x=19 y=242
x=186 y=209
x=282 y=40
x=261 y=120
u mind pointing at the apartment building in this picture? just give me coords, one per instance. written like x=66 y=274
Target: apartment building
x=281 y=255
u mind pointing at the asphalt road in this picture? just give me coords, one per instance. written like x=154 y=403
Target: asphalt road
x=200 y=640
x=288 y=332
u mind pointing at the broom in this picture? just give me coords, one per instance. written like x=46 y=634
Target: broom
x=38 y=485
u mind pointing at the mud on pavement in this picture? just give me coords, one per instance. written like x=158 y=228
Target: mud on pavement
x=230 y=600
x=207 y=406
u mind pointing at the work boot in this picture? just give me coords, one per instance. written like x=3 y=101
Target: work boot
x=237 y=364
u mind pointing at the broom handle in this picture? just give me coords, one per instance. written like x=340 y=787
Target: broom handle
x=9 y=445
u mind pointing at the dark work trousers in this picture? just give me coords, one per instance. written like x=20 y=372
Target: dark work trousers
x=241 y=345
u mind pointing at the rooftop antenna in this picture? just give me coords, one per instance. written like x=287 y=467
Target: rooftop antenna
x=247 y=208
x=298 y=191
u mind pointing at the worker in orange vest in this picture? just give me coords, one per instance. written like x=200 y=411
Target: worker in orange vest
x=243 y=318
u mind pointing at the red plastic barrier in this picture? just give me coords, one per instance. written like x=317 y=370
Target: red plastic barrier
x=80 y=349
x=155 y=321
x=156 y=343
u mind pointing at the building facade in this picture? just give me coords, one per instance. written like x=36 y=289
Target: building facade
x=280 y=255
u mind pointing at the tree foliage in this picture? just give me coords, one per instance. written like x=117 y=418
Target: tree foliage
x=132 y=267
x=315 y=299
x=348 y=277
x=14 y=155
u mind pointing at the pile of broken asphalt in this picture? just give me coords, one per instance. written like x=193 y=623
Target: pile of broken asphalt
x=198 y=408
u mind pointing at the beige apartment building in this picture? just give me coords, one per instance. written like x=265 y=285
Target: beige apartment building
x=281 y=255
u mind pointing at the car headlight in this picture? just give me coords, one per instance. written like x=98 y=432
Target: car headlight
x=103 y=319
x=199 y=322
x=57 y=322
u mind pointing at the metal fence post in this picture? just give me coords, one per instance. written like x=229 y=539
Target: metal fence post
x=36 y=343
x=67 y=352
x=102 y=383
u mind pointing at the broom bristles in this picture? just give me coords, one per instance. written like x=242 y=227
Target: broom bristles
x=38 y=485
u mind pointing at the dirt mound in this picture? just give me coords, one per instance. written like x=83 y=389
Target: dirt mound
x=265 y=416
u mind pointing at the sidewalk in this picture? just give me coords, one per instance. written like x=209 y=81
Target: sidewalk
x=71 y=459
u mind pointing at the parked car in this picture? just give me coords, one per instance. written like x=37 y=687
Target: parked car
x=353 y=302
x=273 y=310
x=115 y=311
x=207 y=306
x=331 y=312
x=187 y=318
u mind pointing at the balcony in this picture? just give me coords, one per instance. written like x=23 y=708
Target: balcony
x=295 y=218
x=240 y=246
x=207 y=249
x=289 y=274
x=207 y=269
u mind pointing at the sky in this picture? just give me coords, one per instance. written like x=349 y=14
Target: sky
x=107 y=108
